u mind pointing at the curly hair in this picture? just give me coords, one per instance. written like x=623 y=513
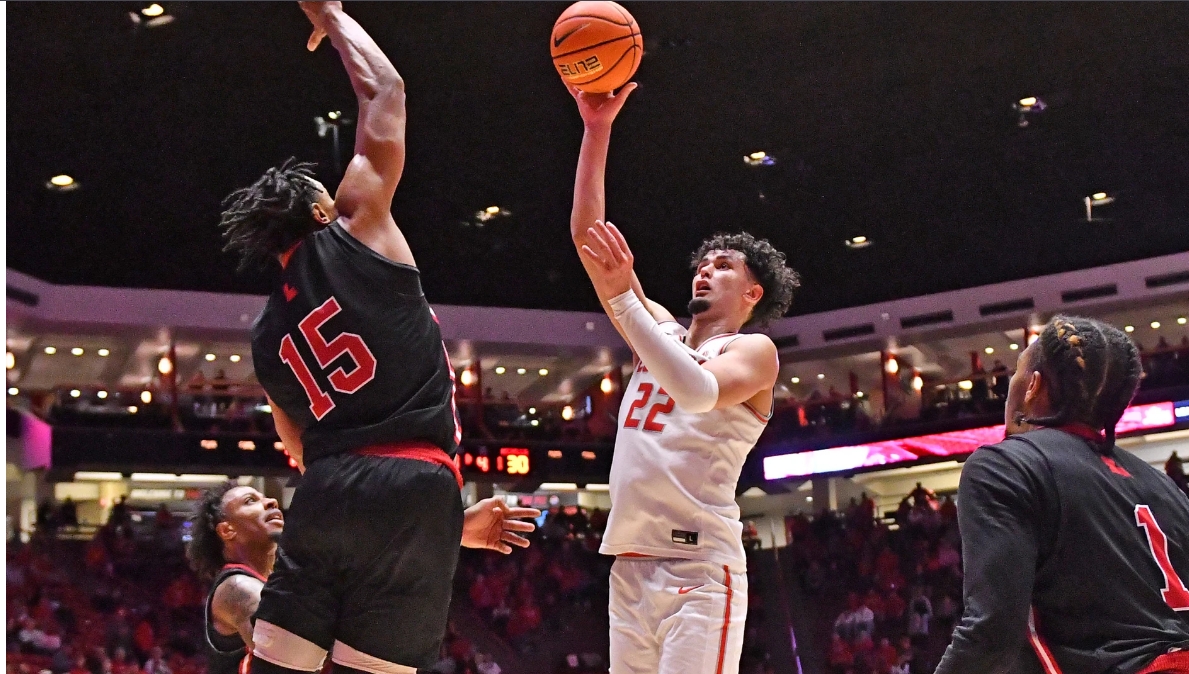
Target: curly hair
x=205 y=550
x=766 y=264
x=265 y=219
x=1093 y=370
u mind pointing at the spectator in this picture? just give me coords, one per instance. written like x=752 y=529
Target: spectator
x=841 y=657
x=920 y=612
x=156 y=663
x=856 y=620
x=886 y=656
x=751 y=536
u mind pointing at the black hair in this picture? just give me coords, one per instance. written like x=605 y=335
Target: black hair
x=270 y=216
x=205 y=550
x=766 y=264
x=1092 y=370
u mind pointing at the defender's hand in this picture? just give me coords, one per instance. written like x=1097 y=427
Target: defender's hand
x=611 y=271
x=599 y=110
x=490 y=523
x=314 y=12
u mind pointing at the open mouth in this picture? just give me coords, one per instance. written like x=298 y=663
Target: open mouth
x=274 y=516
x=701 y=287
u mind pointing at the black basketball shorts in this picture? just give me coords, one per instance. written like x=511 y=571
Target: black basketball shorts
x=374 y=542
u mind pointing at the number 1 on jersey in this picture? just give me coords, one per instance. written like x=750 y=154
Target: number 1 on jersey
x=1175 y=594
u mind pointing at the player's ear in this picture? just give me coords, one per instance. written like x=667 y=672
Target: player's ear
x=754 y=294
x=320 y=214
x=1037 y=391
x=225 y=531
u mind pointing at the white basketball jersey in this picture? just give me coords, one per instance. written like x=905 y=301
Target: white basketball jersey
x=674 y=473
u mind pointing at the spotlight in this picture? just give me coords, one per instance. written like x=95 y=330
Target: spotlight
x=74 y=393
x=210 y=357
x=104 y=353
x=50 y=350
x=892 y=366
x=500 y=369
x=1128 y=328
x=61 y=183
x=521 y=370
x=153 y=10
x=965 y=384
x=146 y=397
x=1181 y=320
x=13 y=391
x=102 y=395
x=132 y=409
x=759 y=159
x=1155 y=325
x=10 y=361
x=543 y=372
x=491 y=212
x=1013 y=346
x=234 y=358
x=567 y=413
x=76 y=351
x=918 y=383
x=606 y=386
x=165 y=365
x=534 y=422
x=989 y=350
x=467 y=377
x=796 y=380
x=856 y=242
x=532 y=410
x=333 y=115
x=821 y=376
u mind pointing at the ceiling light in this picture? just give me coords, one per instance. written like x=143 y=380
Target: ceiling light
x=165 y=365
x=500 y=369
x=210 y=357
x=796 y=380
x=1155 y=325
x=1181 y=320
x=493 y=210
x=153 y=10
x=1128 y=328
x=1028 y=102
x=146 y=397
x=13 y=391
x=759 y=158
x=521 y=370
x=1098 y=195
x=334 y=114
x=132 y=409
x=918 y=383
x=61 y=183
x=534 y=422
x=567 y=413
x=74 y=393
x=233 y=358
x=543 y=372
x=49 y=350
x=76 y=351
x=1013 y=346
x=606 y=386
x=965 y=384
x=892 y=366
x=858 y=242
x=104 y=353
x=532 y=410
x=821 y=376
x=989 y=350
x=102 y=395
x=10 y=361
x=758 y=155
x=467 y=378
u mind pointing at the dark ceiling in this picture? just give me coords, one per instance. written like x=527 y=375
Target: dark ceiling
x=888 y=120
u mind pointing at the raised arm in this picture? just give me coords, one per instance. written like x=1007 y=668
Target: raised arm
x=598 y=112
x=364 y=197
x=235 y=603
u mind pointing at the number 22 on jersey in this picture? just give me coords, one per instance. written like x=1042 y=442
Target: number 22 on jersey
x=660 y=407
x=325 y=353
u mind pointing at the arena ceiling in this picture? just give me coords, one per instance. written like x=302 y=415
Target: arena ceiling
x=886 y=120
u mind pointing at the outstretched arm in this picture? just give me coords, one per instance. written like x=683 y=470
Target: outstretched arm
x=364 y=197
x=234 y=604
x=598 y=112
x=748 y=366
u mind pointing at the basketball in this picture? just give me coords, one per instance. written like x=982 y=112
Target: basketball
x=596 y=46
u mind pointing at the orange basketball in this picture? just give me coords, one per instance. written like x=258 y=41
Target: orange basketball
x=596 y=46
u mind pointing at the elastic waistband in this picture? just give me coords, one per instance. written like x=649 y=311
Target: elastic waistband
x=419 y=451
x=1176 y=662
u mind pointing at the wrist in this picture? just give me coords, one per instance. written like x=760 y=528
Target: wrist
x=598 y=128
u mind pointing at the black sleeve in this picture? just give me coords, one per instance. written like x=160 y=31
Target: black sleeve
x=998 y=513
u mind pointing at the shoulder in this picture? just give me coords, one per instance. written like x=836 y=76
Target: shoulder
x=754 y=346
x=237 y=593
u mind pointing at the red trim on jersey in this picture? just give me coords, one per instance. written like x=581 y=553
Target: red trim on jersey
x=244 y=567
x=420 y=451
x=1083 y=431
x=1047 y=661
x=246 y=664
x=288 y=254
x=762 y=419
x=711 y=339
x=1176 y=662
x=726 y=622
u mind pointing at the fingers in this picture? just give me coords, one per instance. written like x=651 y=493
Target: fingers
x=518 y=525
x=520 y=513
x=598 y=245
x=620 y=243
x=626 y=90
x=315 y=39
x=617 y=254
x=513 y=539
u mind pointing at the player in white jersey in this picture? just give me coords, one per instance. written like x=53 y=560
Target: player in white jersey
x=696 y=404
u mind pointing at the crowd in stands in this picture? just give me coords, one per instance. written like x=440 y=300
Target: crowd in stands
x=895 y=588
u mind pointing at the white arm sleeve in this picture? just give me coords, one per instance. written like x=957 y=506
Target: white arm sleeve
x=682 y=377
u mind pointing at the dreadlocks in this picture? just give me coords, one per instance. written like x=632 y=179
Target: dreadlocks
x=1093 y=370
x=267 y=218
x=768 y=267
x=205 y=550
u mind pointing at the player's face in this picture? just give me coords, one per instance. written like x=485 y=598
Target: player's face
x=252 y=516
x=1017 y=391
x=723 y=286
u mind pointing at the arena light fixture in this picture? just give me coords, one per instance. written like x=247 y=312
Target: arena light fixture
x=606 y=386
x=821 y=376
x=918 y=383
x=1155 y=325
x=1182 y=320
x=1128 y=328
x=146 y=397
x=210 y=357
x=892 y=366
x=759 y=158
x=500 y=369
x=532 y=410
x=796 y=380
x=13 y=391
x=467 y=377
x=132 y=409
x=153 y=10
x=856 y=242
x=1028 y=102
x=103 y=353
x=491 y=212
x=97 y=475
x=521 y=370
x=965 y=384
x=102 y=395
x=50 y=350
x=235 y=358
x=74 y=393
x=10 y=361
x=1013 y=346
x=76 y=351
x=567 y=413
x=543 y=372
x=165 y=365
x=61 y=183
x=989 y=350
x=535 y=422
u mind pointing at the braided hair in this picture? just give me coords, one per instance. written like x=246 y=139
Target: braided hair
x=1093 y=370
x=205 y=550
x=269 y=217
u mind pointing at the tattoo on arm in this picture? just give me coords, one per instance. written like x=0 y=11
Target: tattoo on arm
x=236 y=602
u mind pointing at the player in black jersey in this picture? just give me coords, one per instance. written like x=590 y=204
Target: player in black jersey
x=1076 y=552
x=362 y=393
x=234 y=548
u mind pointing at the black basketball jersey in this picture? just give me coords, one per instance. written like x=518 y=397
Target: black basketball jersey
x=225 y=652
x=1111 y=541
x=349 y=348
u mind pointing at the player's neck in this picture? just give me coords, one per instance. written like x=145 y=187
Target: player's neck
x=260 y=558
x=702 y=329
